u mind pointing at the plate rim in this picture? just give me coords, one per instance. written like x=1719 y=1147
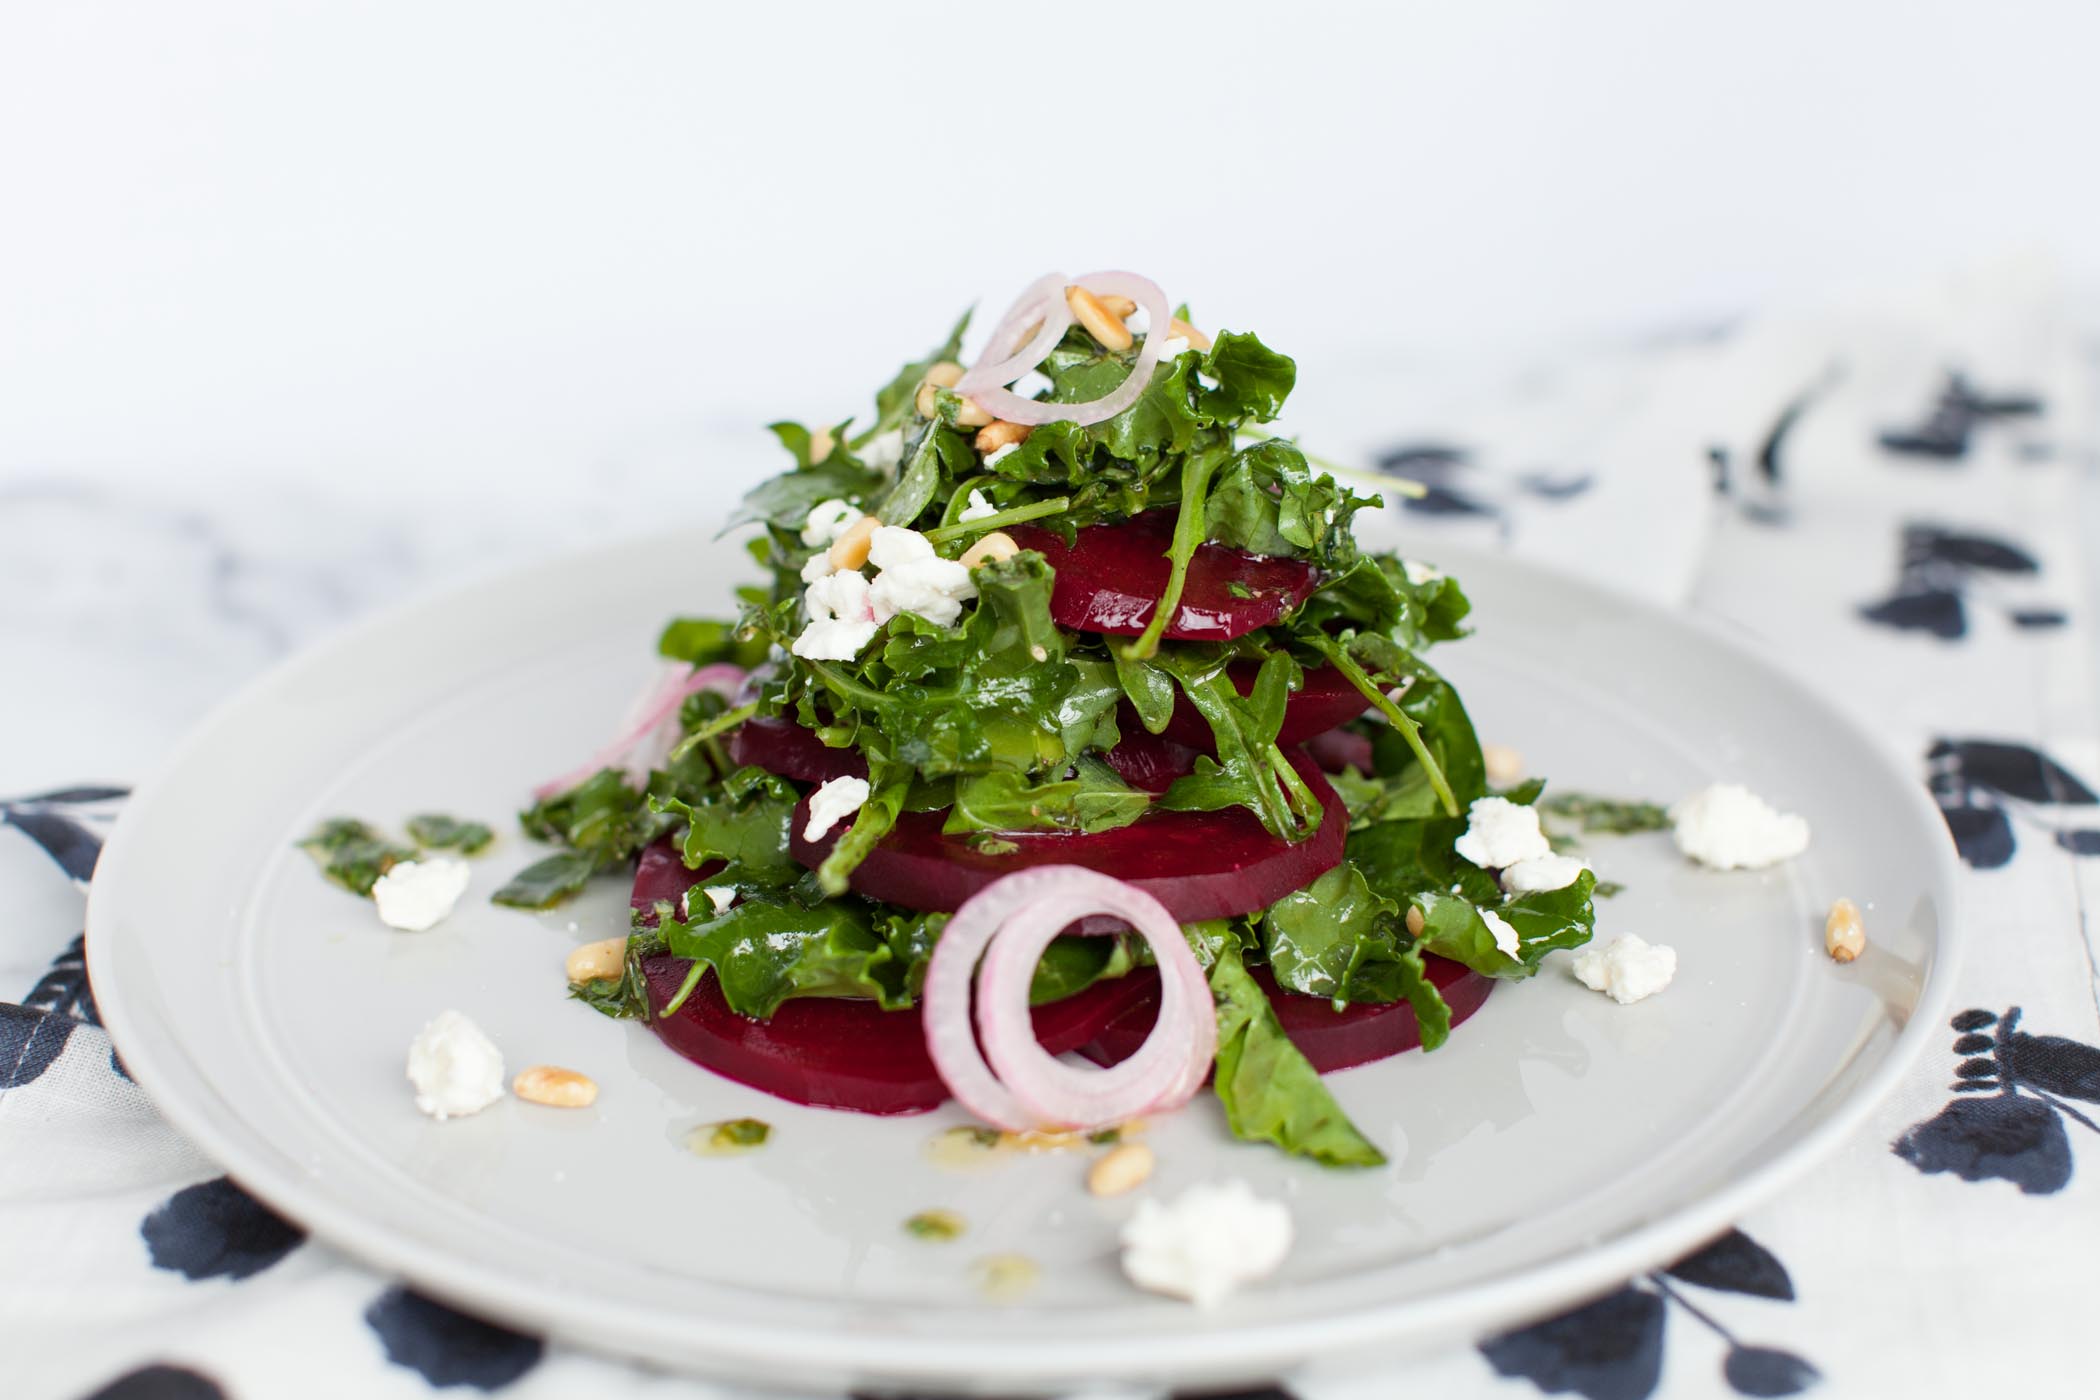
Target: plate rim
x=775 y=1354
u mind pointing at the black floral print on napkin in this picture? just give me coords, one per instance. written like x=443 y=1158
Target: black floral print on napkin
x=214 y=1229
x=1942 y=572
x=1612 y=1349
x=1943 y=435
x=448 y=1348
x=2006 y=1122
x=1983 y=785
x=1453 y=485
x=159 y=1382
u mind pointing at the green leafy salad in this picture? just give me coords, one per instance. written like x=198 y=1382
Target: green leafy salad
x=1073 y=608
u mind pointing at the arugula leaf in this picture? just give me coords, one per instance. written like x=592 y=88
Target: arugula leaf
x=870 y=824
x=546 y=883
x=436 y=832
x=1269 y=1091
x=744 y=824
x=784 y=501
x=626 y=997
x=1338 y=939
x=704 y=641
x=1253 y=380
x=352 y=854
x=941 y=455
x=1094 y=798
x=1149 y=689
x=766 y=948
x=1267 y=500
x=1249 y=770
x=1606 y=815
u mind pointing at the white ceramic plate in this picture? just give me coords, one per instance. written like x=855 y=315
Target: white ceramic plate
x=1556 y=1144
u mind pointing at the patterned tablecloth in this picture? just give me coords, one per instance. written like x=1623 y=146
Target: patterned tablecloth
x=1894 y=498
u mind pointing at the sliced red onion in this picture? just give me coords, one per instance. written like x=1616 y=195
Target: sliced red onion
x=1009 y=923
x=1004 y=403
x=1001 y=364
x=650 y=715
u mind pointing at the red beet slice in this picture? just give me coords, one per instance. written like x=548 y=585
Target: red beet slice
x=1200 y=865
x=782 y=746
x=1330 y=1039
x=1340 y=748
x=832 y=1052
x=1148 y=762
x=660 y=877
x=1110 y=577
x=1325 y=700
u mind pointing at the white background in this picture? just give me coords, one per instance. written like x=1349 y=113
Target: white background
x=451 y=246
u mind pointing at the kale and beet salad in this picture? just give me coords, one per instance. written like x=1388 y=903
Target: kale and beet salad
x=1071 y=718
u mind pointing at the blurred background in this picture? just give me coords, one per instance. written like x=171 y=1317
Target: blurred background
x=305 y=306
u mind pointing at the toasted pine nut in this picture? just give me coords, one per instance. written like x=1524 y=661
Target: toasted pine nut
x=1844 y=932
x=1505 y=766
x=995 y=546
x=555 y=1087
x=972 y=415
x=1099 y=323
x=1415 y=922
x=850 y=549
x=1197 y=339
x=605 y=958
x=941 y=376
x=820 y=444
x=1122 y=308
x=1123 y=1169
x=1000 y=433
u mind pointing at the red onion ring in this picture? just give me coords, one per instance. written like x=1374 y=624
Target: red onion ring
x=1003 y=403
x=1001 y=364
x=1009 y=923
x=655 y=707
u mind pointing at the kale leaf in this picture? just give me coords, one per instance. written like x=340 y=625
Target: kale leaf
x=353 y=854
x=1269 y=1090
x=434 y=831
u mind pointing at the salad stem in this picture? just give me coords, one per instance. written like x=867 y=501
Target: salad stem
x=963 y=529
x=1339 y=655
x=720 y=724
x=1188 y=534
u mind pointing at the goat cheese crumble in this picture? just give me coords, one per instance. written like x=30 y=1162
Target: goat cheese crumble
x=1172 y=346
x=826 y=521
x=414 y=895
x=997 y=455
x=456 y=1068
x=721 y=896
x=885 y=451
x=1501 y=833
x=1540 y=874
x=914 y=579
x=1419 y=573
x=1211 y=1239
x=1628 y=970
x=1505 y=935
x=841 y=617
x=977 y=507
x=833 y=803
x=1729 y=827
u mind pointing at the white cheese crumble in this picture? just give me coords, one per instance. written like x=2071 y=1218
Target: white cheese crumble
x=914 y=579
x=1729 y=827
x=1501 y=833
x=997 y=455
x=977 y=507
x=1173 y=345
x=1419 y=573
x=818 y=566
x=884 y=451
x=1541 y=873
x=456 y=1068
x=721 y=896
x=1505 y=936
x=841 y=617
x=827 y=520
x=1211 y=1239
x=833 y=803
x=414 y=894
x=1628 y=970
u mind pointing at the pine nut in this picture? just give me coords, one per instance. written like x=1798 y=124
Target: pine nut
x=1197 y=339
x=993 y=547
x=1505 y=766
x=1122 y=308
x=941 y=376
x=555 y=1087
x=972 y=415
x=1415 y=922
x=605 y=958
x=1099 y=323
x=820 y=444
x=1123 y=1169
x=1000 y=433
x=850 y=549
x=1844 y=932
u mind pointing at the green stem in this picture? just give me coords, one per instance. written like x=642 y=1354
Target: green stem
x=1398 y=485
x=1019 y=515
x=1409 y=730
x=685 y=989
x=720 y=724
x=841 y=685
x=1303 y=805
x=1188 y=534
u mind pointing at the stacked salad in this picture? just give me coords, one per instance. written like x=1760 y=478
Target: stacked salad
x=1071 y=718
